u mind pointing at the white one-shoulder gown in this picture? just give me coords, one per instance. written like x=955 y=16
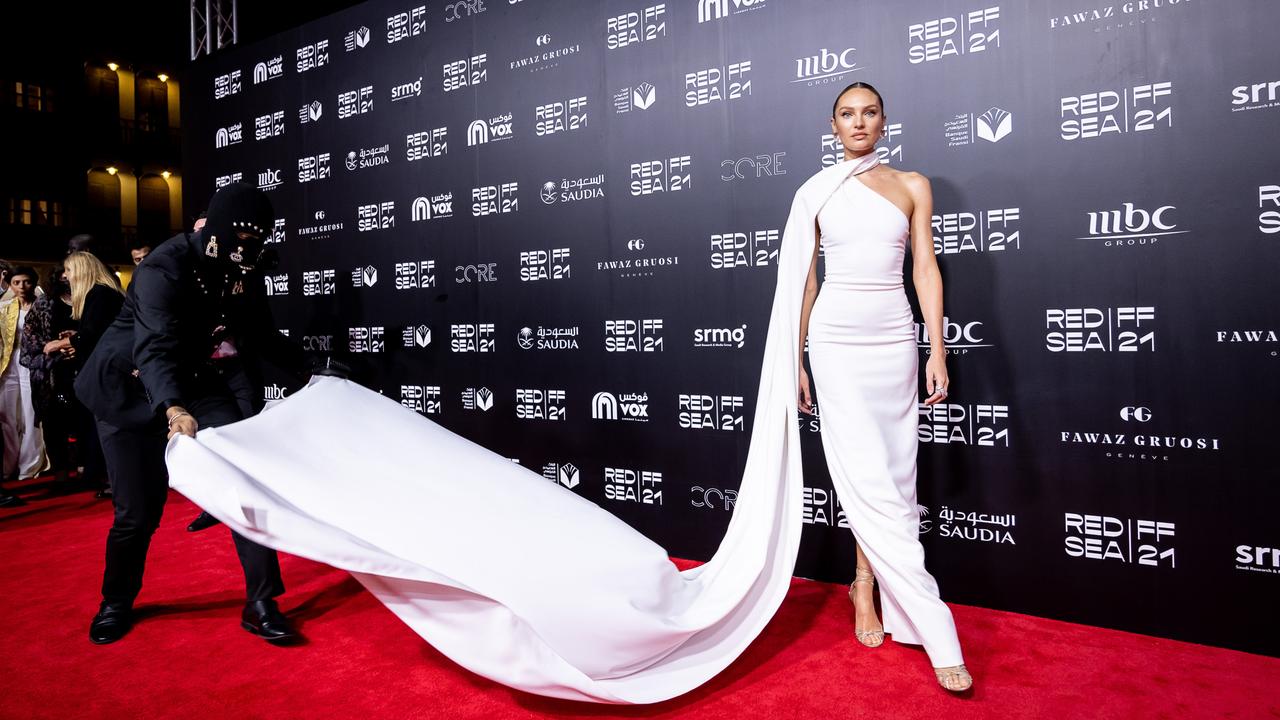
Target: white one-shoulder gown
x=508 y=574
x=862 y=349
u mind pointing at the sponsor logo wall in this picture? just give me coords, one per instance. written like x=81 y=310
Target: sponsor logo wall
x=555 y=229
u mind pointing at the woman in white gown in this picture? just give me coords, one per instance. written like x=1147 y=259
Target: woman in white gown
x=541 y=590
x=863 y=352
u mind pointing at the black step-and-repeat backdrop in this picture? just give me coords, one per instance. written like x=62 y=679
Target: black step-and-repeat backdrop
x=553 y=227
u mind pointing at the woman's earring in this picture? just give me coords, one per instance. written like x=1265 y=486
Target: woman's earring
x=211 y=250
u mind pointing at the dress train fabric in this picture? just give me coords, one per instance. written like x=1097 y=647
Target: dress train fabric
x=862 y=349
x=512 y=576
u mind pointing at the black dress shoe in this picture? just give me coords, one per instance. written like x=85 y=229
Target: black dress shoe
x=264 y=619
x=111 y=623
x=103 y=493
x=7 y=500
x=203 y=521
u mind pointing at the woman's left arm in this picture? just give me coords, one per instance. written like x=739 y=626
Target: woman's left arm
x=928 y=282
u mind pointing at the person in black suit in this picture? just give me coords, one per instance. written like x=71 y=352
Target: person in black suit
x=180 y=354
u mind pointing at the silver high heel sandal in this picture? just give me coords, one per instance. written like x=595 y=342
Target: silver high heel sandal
x=955 y=679
x=870 y=638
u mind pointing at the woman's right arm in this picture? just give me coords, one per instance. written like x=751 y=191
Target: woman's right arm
x=805 y=398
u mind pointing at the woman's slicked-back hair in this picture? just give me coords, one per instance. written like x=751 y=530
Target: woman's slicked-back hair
x=856 y=86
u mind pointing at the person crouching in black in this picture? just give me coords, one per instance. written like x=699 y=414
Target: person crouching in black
x=176 y=356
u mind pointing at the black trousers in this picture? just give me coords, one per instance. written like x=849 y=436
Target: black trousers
x=140 y=486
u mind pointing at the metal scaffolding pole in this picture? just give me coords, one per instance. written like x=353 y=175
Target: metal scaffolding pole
x=214 y=26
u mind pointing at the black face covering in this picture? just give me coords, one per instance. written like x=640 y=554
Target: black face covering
x=238 y=207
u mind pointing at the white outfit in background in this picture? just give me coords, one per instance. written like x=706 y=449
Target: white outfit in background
x=23 y=441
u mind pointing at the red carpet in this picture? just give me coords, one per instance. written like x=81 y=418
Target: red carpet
x=188 y=658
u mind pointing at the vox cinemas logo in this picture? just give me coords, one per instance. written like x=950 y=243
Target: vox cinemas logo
x=355 y=102
x=560 y=116
x=407 y=91
x=415 y=337
x=472 y=338
x=1139 y=439
x=1131 y=225
x=710 y=412
x=310 y=57
x=831 y=150
x=277 y=284
x=1118 y=329
x=566 y=474
x=820 y=506
x=322 y=229
x=643 y=487
x=366 y=339
x=1254 y=558
x=368 y=157
x=364 y=277
x=1269 y=205
x=535 y=404
x=639 y=97
x=357 y=39
x=270 y=179
x=959 y=338
x=226 y=85
x=1102 y=537
x=1258 y=96
x=964 y=129
x=433 y=207
x=224 y=180
x=553 y=264
x=633 y=335
x=659 y=176
x=972 y=32
x=480 y=398
x=268 y=70
x=757 y=248
x=982 y=231
x=426 y=144
x=495 y=199
x=311 y=112
x=630 y=407
x=314 y=167
x=494 y=129
x=709 y=10
x=548 y=338
x=1107 y=112
x=319 y=282
x=467 y=72
x=978 y=425
x=636 y=27
x=826 y=67
x=407 y=24
x=734 y=337
x=717 y=84
x=415 y=275
x=424 y=399
x=269 y=125
x=228 y=136
x=376 y=216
